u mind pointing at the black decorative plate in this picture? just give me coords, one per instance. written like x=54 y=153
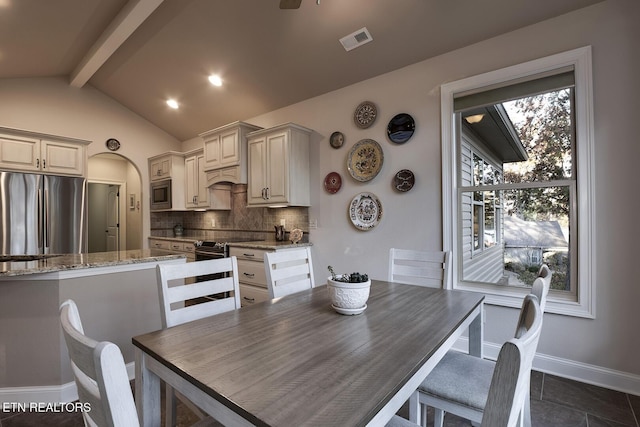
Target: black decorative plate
x=401 y=128
x=112 y=144
x=336 y=140
x=404 y=180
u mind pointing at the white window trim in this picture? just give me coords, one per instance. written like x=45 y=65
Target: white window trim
x=580 y=59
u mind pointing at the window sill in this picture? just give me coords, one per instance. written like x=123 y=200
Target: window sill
x=511 y=296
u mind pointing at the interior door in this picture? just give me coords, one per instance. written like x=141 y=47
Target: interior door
x=113 y=218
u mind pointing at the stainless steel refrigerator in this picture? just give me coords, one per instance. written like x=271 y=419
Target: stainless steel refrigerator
x=42 y=214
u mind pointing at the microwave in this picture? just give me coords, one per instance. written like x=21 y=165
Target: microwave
x=161 y=195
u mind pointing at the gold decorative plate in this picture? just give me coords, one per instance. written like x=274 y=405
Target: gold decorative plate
x=365 y=160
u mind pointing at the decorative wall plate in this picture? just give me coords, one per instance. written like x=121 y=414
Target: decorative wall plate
x=296 y=235
x=112 y=144
x=365 y=114
x=404 y=180
x=365 y=160
x=365 y=211
x=336 y=140
x=401 y=128
x=332 y=182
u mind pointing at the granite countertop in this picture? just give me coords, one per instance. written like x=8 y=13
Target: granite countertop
x=80 y=261
x=269 y=244
x=253 y=244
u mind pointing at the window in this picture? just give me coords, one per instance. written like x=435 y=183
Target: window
x=518 y=145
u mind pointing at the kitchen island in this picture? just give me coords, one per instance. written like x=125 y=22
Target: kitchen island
x=116 y=293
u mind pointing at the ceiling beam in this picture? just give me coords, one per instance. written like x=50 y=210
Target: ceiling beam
x=125 y=23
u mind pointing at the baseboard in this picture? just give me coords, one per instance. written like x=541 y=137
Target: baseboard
x=565 y=368
x=48 y=394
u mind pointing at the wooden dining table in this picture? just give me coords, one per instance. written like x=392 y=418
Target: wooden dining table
x=294 y=361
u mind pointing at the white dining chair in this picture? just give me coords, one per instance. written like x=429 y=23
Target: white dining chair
x=100 y=374
x=421 y=268
x=192 y=291
x=460 y=383
x=288 y=271
x=509 y=379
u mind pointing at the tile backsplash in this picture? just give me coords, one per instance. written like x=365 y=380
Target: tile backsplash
x=239 y=222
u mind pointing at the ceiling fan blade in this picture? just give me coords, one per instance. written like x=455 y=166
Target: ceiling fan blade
x=290 y=4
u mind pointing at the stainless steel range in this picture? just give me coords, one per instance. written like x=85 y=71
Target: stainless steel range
x=210 y=250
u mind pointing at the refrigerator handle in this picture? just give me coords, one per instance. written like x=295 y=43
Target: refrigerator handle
x=40 y=225
x=46 y=220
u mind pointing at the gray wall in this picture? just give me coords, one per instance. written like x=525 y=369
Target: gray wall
x=603 y=350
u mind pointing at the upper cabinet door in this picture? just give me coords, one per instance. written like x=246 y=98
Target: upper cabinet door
x=230 y=148
x=62 y=157
x=19 y=153
x=256 y=190
x=28 y=153
x=225 y=152
x=279 y=167
x=212 y=152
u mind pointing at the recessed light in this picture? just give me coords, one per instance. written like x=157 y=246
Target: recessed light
x=172 y=103
x=215 y=80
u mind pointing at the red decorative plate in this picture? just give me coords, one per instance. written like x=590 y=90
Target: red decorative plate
x=332 y=182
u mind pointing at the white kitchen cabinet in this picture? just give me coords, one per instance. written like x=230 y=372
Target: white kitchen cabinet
x=32 y=152
x=166 y=165
x=171 y=247
x=279 y=166
x=251 y=274
x=225 y=152
x=199 y=194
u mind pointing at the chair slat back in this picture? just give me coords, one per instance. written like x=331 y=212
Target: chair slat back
x=289 y=271
x=510 y=380
x=100 y=374
x=421 y=268
x=541 y=285
x=176 y=293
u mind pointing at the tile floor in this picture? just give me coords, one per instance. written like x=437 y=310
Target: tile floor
x=555 y=402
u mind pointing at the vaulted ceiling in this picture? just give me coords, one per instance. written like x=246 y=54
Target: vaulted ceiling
x=141 y=52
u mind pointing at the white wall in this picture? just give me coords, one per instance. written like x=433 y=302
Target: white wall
x=50 y=105
x=604 y=350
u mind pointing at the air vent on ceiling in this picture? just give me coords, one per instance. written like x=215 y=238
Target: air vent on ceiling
x=356 y=39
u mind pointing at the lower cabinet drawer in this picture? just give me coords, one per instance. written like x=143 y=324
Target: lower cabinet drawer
x=159 y=244
x=248 y=253
x=252 y=273
x=252 y=294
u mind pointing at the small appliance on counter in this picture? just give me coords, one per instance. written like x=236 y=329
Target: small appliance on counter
x=178 y=230
x=280 y=233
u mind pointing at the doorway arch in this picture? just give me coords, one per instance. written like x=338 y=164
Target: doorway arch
x=116 y=170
